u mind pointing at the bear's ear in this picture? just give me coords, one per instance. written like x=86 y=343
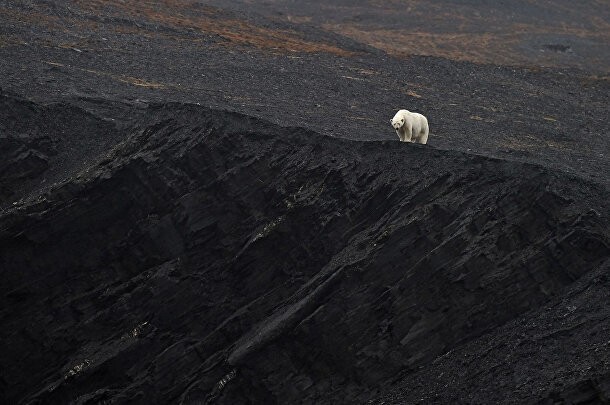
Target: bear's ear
x=390 y=120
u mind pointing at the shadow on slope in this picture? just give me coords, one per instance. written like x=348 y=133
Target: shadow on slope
x=299 y=267
x=40 y=144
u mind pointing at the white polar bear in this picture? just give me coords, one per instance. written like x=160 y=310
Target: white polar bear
x=410 y=126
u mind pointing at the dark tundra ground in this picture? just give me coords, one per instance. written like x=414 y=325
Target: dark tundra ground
x=204 y=202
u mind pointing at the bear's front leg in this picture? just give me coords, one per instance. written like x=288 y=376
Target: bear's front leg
x=402 y=134
x=408 y=134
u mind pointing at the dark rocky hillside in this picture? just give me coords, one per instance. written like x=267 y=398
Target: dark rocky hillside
x=318 y=269
x=204 y=202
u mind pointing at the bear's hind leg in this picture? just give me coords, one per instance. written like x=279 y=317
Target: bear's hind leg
x=423 y=138
x=423 y=135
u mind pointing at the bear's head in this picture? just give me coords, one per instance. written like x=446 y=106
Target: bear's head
x=397 y=122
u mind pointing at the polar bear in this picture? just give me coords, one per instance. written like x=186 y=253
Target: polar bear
x=410 y=126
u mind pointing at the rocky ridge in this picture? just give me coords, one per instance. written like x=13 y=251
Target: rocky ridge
x=210 y=246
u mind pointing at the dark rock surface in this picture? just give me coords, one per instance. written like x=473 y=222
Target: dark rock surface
x=207 y=204
x=40 y=145
x=557 y=353
x=318 y=269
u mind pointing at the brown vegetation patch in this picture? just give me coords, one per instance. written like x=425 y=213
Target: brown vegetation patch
x=30 y=17
x=501 y=46
x=182 y=17
x=135 y=81
x=189 y=15
x=411 y=93
x=7 y=40
x=482 y=48
x=140 y=82
x=529 y=142
x=595 y=79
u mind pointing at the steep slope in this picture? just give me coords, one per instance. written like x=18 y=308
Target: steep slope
x=42 y=144
x=215 y=256
x=552 y=354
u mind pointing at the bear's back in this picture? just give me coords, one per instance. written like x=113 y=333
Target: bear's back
x=401 y=113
